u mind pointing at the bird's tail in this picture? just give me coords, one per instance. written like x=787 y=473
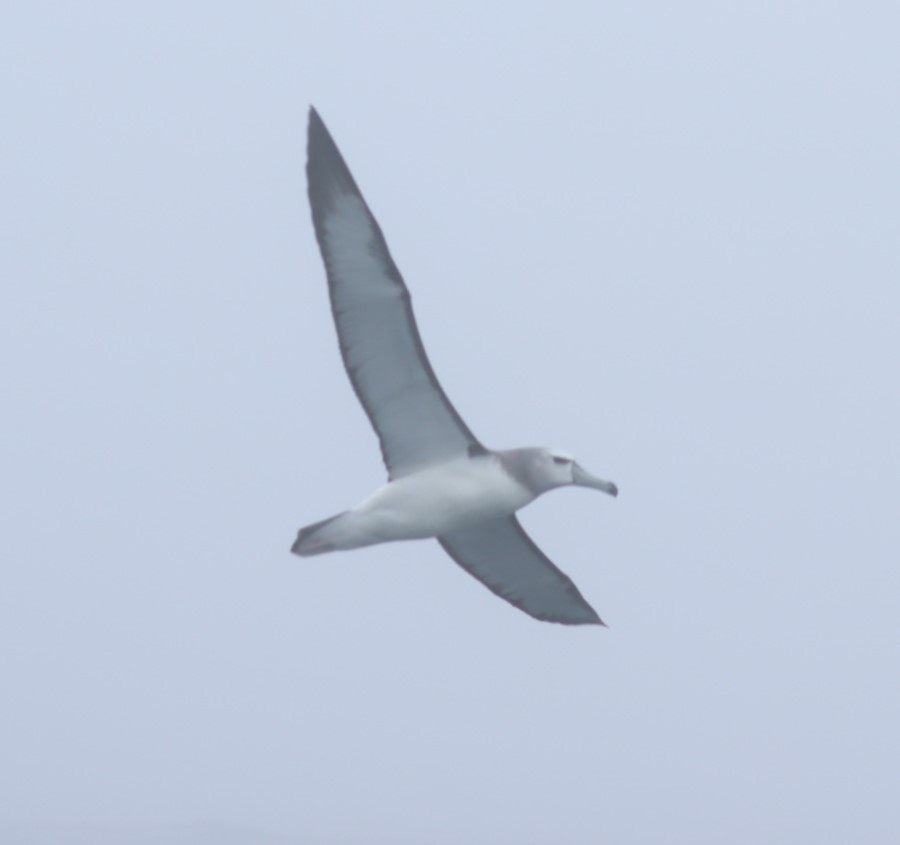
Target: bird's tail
x=310 y=540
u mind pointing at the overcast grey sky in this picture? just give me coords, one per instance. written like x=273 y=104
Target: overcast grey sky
x=660 y=236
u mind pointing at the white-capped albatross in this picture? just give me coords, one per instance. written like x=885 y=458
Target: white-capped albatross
x=442 y=482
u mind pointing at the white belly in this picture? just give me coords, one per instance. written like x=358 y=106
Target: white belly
x=432 y=502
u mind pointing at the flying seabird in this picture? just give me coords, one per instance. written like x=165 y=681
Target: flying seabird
x=442 y=482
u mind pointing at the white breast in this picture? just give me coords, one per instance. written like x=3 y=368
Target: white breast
x=434 y=501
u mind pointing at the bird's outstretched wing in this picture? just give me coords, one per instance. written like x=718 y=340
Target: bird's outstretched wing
x=380 y=344
x=505 y=559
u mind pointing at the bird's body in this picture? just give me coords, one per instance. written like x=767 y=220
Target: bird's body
x=442 y=482
x=429 y=503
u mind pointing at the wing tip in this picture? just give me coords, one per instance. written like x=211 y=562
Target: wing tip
x=595 y=617
x=589 y=618
x=316 y=124
x=327 y=173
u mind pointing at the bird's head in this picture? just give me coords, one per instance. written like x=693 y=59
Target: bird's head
x=546 y=469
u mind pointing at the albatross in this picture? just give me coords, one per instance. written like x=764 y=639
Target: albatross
x=442 y=482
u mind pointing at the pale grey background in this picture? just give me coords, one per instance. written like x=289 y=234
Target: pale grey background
x=662 y=236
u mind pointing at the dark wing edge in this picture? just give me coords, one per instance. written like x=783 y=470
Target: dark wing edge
x=506 y=560
x=322 y=183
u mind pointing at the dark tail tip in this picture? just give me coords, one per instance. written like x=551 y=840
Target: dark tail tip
x=306 y=545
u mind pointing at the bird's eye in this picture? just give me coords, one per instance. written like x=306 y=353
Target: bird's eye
x=560 y=461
